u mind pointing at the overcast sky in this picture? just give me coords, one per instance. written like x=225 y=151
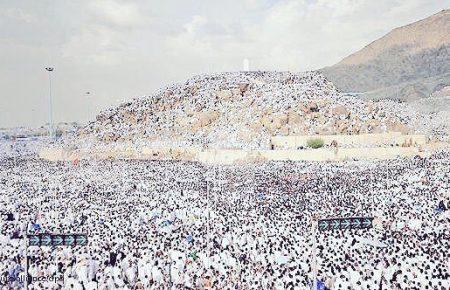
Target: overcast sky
x=118 y=49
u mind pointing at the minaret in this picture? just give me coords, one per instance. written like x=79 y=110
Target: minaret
x=246 y=64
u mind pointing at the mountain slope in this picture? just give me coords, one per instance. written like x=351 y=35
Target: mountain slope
x=243 y=110
x=409 y=63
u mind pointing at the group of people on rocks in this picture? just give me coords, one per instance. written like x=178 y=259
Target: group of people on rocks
x=244 y=110
x=186 y=225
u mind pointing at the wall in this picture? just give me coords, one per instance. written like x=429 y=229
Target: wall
x=363 y=140
x=366 y=146
x=225 y=156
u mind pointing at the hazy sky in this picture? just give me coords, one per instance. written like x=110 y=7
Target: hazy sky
x=119 y=49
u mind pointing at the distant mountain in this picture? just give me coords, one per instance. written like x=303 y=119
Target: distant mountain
x=409 y=63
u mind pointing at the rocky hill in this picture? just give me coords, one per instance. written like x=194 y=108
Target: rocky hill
x=409 y=63
x=243 y=110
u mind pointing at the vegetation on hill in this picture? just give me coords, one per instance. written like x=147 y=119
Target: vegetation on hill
x=315 y=143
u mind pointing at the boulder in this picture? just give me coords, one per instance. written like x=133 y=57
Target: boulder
x=224 y=95
x=110 y=137
x=340 y=112
x=243 y=88
x=129 y=118
x=288 y=81
x=294 y=117
x=396 y=126
x=256 y=126
x=168 y=93
x=313 y=107
x=299 y=129
x=373 y=126
x=303 y=108
x=342 y=126
x=321 y=119
x=325 y=130
x=193 y=90
x=356 y=126
x=183 y=121
x=204 y=119
x=280 y=120
x=266 y=121
x=247 y=135
x=284 y=131
x=236 y=92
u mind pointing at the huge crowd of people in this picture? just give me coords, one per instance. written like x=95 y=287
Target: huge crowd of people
x=186 y=225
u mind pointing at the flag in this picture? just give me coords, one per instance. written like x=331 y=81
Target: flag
x=166 y=223
x=320 y=285
x=193 y=255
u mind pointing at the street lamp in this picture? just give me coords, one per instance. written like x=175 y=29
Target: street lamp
x=51 y=129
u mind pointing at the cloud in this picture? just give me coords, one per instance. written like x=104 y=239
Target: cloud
x=95 y=43
x=193 y=26
x=124 y=48
x=105 y=37
x=117 y=13
x=17 y=14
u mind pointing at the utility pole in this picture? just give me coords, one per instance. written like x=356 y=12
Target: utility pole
x=14 y=153
x=208 y=226
x=26 y=263
x=51 y=128
x=25 y=237
x=314 y=251
x=14 y=149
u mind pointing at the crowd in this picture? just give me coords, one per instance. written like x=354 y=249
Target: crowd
x=184 y=225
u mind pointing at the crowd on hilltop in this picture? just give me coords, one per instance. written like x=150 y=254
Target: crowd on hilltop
x=225 y=110
x=179 y=225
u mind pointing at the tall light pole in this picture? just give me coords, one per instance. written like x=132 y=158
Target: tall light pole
x=314 y=251
x=50 y=102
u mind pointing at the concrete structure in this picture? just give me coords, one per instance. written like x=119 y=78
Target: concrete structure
x=363 y=140
x=231 y=156
x=322 y=154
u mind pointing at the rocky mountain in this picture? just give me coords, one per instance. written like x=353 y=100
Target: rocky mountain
x=409 y=63
x=243 y=110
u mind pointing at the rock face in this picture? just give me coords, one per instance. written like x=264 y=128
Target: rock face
x=241 y=110
x=407 y=64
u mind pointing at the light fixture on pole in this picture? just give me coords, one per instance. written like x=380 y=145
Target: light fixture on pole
x=314 y=251
x=51 y=129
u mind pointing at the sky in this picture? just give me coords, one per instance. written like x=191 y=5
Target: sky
x=108 y=51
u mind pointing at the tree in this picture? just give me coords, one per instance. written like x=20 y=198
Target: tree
x=315 y=143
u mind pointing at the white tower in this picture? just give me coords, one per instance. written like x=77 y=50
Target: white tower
x=246 y=64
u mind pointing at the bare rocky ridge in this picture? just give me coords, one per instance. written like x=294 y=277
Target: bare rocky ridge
x=409 y=63
x=437 y=109
x=243 y=110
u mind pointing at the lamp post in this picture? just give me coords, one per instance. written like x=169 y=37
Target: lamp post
x=314 y=251
x=51 y=129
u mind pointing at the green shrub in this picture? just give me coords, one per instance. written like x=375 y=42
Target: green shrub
x=315 y=143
